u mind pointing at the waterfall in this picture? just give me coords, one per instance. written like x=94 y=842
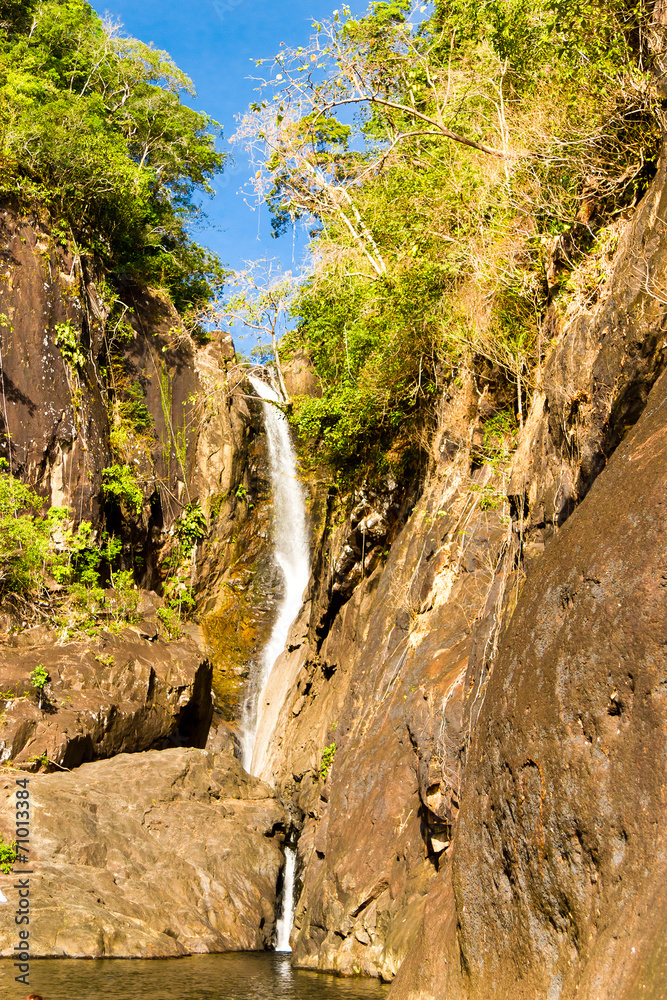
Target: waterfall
x=284 y=924
x=291 y=553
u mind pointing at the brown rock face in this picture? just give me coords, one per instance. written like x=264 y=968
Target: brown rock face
x=54 y=421
x=391 y=657
x=379 y=670
x=145 y=856
x=597 y=379
x=115 y=695
x=559 y=865
x=300 y=378
x=52 y=441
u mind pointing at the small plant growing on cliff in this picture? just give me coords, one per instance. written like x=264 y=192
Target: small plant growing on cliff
x=8 y=855
x=328 y=755
x=68 y=345
x=171 y=619
x=42 y=761
x=120 y=486
x=180 y=603
x=26 y=547
x=39 y=678
x=215 y=505
x=191 y=527
x=243 y=495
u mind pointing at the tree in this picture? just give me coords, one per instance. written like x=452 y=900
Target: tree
x=309 y=161
x=93 y=123
x=260 y=301
x=436 y=160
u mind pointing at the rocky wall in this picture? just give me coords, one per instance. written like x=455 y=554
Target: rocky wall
x=390 y=660
x=155 y=848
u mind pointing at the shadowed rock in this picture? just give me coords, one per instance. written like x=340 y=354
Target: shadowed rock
x=560 y=868
x=119 y=694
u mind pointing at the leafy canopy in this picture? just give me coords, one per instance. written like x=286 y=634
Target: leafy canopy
x=93 y=123
x=437 y=161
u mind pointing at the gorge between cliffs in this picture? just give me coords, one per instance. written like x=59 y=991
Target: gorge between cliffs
x=352 y=651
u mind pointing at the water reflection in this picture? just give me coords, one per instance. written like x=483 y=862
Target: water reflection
x=245 y=976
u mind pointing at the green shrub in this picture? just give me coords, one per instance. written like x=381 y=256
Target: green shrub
x=119 y=485
x=39 y=678
x=171 y=619
x=70 y=348
x=191 y=527
x=35 y=546
x=26 y=548
x=328 y=754
x=8 y=855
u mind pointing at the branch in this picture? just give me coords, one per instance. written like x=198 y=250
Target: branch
x=413 y=113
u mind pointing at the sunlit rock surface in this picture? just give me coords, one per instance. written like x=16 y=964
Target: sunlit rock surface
x=148 y=855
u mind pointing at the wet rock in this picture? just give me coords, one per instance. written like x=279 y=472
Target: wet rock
x=151 y=855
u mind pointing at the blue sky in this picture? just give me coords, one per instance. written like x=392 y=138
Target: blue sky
x=216 y=43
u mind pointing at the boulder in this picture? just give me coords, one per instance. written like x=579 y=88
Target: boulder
x=107 y=695
x=300 y=376
x=150 y=855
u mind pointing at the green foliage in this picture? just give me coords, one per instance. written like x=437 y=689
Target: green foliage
x=375 y=348
x=35 y=547
x=119 y=485
x=132 y=427
x=500 y=435
x=70 y=348
x=39 y=678
x=180 y=602
x=241 y=493
x=328 y=754
x=133 y=409
x=215 y=505
x=93 y=123
x=88 y=603
x=588 y=40
x=191 y=527
x=26 y=548
x=483 y=133
x=8 y=855
x=171 y=619
x=499 y=428
x=488 y=497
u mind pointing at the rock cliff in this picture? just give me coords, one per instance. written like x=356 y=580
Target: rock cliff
x=88 y=380
x=478 y=653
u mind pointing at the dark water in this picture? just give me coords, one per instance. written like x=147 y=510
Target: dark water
x=246 y=976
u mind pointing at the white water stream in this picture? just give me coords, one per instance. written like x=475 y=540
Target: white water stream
x=284 y=924
x=291 y=553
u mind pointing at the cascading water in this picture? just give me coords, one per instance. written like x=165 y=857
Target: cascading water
x=284 y=924
x=291 y=553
